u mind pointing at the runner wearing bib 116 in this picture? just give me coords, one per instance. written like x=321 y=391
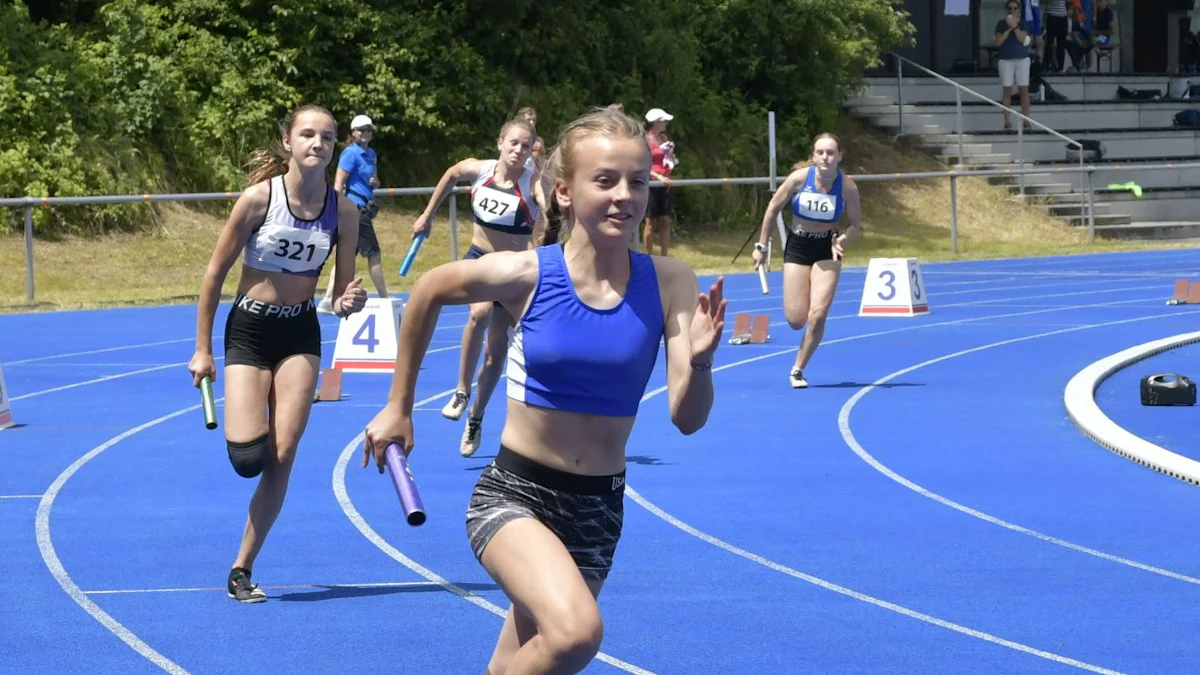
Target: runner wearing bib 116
x=819 y=195
x=505 y=202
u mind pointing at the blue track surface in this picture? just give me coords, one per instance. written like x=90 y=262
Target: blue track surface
x=925 y=507
x=1176 y=428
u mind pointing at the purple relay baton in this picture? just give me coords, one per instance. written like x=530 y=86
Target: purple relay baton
x=406 y=486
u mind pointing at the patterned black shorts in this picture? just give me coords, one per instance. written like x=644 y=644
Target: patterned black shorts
x=584 y=512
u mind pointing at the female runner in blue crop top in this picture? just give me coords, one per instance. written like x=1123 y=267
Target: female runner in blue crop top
x=818 y=193
x=505 y=202
x=284 y=225
x=546 y=515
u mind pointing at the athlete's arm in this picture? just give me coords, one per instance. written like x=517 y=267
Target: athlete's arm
x=248 y=211
x=692 y=332
x=344 y=267
x=778 y=201
x=506 y=276
x=853 y=210
x=466 y=170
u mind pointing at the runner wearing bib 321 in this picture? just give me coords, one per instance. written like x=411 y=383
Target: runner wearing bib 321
x=819 y=194
x=505 y=202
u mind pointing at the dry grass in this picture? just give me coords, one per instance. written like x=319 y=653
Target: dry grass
x=902 y=219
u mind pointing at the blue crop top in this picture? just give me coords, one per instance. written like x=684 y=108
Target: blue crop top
x=566 y=355
x=284 y=243
x=814 y=206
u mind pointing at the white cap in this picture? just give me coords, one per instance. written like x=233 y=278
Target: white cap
x=658 y=115
x=361 y=121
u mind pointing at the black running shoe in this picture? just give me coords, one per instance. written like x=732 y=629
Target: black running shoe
x=241 y=589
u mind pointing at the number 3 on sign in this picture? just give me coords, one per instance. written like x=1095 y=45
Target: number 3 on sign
x=894 y=287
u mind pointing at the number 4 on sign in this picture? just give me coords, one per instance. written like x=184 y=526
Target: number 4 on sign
x=894 y=287
x=366 y=341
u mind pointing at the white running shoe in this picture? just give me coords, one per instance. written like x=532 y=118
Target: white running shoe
x=470 y=437
x=458 y=403
x=797 y=379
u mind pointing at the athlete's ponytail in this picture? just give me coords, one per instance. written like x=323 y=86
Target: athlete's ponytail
x=273 y=160
x=552 y=217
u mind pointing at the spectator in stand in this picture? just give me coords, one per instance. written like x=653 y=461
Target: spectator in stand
x=1105 y=24
x=1079 y=37
x=1012 y=47
x=1057 y=24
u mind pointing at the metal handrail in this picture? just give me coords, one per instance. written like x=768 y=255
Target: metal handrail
x=988 y=100
x=29 y=203
x=959 y=89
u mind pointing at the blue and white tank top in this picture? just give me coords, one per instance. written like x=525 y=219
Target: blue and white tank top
x=512 y=209
x=284 y=243
x=814 y=206
x=567 y=355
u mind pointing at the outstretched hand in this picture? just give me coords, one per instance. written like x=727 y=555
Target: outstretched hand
x=708 y=322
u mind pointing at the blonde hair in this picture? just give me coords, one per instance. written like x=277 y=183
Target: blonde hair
x=561 y=163
x=819 y=137
x=272 y=160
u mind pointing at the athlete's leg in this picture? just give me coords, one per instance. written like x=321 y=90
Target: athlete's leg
x=556 y=623
x=824 y=280
x=375 y=269
x=796 y=294
x=472 y=343
x=489 y=376
x=290 y=401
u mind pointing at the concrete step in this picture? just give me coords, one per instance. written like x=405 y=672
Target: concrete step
x=1101 y=219
x=869 y=100
x=1149 y=230
x=952 y=149
x=1051 y=198
x=1031 y=180
x=1073 y=210
x=975 y=160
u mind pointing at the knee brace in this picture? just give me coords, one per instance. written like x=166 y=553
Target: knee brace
x=249 y=458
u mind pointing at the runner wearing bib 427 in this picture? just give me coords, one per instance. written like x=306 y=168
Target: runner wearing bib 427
x=505 y=202
x=818 y=194
x=503 y=209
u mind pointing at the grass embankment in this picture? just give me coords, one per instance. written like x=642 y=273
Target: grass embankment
x=902 y=219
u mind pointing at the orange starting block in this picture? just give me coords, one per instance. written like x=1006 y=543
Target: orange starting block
x=330 y=388
x=1186 y=293
x=749 y=329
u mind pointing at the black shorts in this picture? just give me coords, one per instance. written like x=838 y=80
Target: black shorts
x=262 y=335
x=474 y=252
x=662 y=202
x=807 y=248
x=368 y=243
x=584 y=512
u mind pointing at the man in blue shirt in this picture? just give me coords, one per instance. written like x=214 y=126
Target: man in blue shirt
x=1012 y=44
x=357 y=180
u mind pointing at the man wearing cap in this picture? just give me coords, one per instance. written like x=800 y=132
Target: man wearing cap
x=661 y=206
x=357 y=180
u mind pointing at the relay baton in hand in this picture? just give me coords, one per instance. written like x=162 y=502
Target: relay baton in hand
x=209 y=405
x=406 y=487
x=412 y=253
x=762 y=278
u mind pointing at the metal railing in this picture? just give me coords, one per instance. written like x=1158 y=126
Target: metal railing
x=958 y=92
x=29 y=203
